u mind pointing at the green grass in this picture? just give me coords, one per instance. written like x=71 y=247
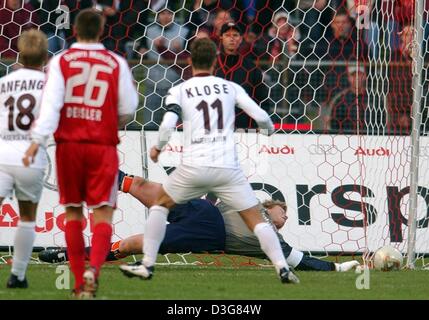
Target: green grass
x=225 y=282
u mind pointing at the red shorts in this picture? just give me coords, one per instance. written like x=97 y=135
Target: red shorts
x=87 y=173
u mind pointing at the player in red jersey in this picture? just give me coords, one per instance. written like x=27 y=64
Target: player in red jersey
x=89 y=93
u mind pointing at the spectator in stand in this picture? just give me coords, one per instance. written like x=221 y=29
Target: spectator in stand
x=74 y=6
x=342 y=40
x=15 y=17
x=182 y=64
x=125 y=22
x=135 y=16
x=242 y=70
x=254 y=44
x=400 y=97
x=314 y=17
x=340 y=46
x=164 y=35
x=282 y=45
x=264 y=13
x=404 y=11
x=387 y=19
x=51 y=17
x=112 y=30
x=283 y=37
x=345 y=115
x=204 y=13
x=353 y=110
x=221 y=17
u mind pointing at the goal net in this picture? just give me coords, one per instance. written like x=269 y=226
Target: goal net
x=345 y=82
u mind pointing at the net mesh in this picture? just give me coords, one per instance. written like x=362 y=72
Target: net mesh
x=336 y=76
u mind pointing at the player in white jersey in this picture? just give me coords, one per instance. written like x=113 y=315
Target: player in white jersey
x=210 y=163
x=20 y=96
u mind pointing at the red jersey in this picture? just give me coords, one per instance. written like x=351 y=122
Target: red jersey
x=87 y=88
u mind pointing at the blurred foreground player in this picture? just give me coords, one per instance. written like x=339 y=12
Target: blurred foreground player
x=20 y=96
x=89 y=93
x=209 y=163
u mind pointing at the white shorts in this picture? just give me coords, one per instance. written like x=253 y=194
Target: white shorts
x=229 y=185
x=27 y=182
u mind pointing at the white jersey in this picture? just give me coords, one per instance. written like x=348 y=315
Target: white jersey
x=20 y=96
x=207 y=104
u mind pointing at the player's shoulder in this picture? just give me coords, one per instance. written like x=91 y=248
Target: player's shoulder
x=123 y=63
x=23 y=74
x=56 y=59
x=10 y=76
x=178 y=87
x=212 y=79
x=235 y=87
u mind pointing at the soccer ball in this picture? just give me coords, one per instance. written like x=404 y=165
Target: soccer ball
x=388 y=258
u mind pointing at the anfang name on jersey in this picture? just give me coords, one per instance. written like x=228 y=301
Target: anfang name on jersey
x=20 y=85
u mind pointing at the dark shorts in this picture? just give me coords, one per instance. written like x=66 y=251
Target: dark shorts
x=196 y=226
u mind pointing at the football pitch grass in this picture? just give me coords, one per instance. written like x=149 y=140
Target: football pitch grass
x=225 y=282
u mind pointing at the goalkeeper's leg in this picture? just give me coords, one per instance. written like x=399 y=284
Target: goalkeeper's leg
x=126 y=247
x=297 y=260
x=118 y=250
x=143 y=190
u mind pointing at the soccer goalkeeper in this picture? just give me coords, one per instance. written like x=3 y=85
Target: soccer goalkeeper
x=199 y=226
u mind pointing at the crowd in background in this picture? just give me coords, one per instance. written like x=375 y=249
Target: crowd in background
x=305 y=62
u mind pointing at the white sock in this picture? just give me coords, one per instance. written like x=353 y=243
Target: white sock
x=23 y=247
x=270 y=244
x=156 y=225
x=294 y=258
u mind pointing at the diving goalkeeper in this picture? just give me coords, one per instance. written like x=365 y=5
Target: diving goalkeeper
x=198 y=226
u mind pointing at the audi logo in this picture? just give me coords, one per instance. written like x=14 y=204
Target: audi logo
x=322 y=149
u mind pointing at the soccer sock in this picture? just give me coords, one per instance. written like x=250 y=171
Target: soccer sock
x=270 y=245
x=294 y=258
x=100 y=245
x=126 y=183
x=115 y=253
x=154 y=233
x=76 y=250
x=22 y=248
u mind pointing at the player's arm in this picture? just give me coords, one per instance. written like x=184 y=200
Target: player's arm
x=168 y=123
x=52 y=102
x=128 y=96
x=246 y=103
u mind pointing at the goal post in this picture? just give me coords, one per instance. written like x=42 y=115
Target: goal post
x=418 y=72
x=345 y=83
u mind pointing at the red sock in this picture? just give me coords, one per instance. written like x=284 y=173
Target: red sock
x=100 y=245
x=76 y=250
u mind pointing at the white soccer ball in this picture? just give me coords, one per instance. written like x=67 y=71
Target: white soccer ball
x=388 y=258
